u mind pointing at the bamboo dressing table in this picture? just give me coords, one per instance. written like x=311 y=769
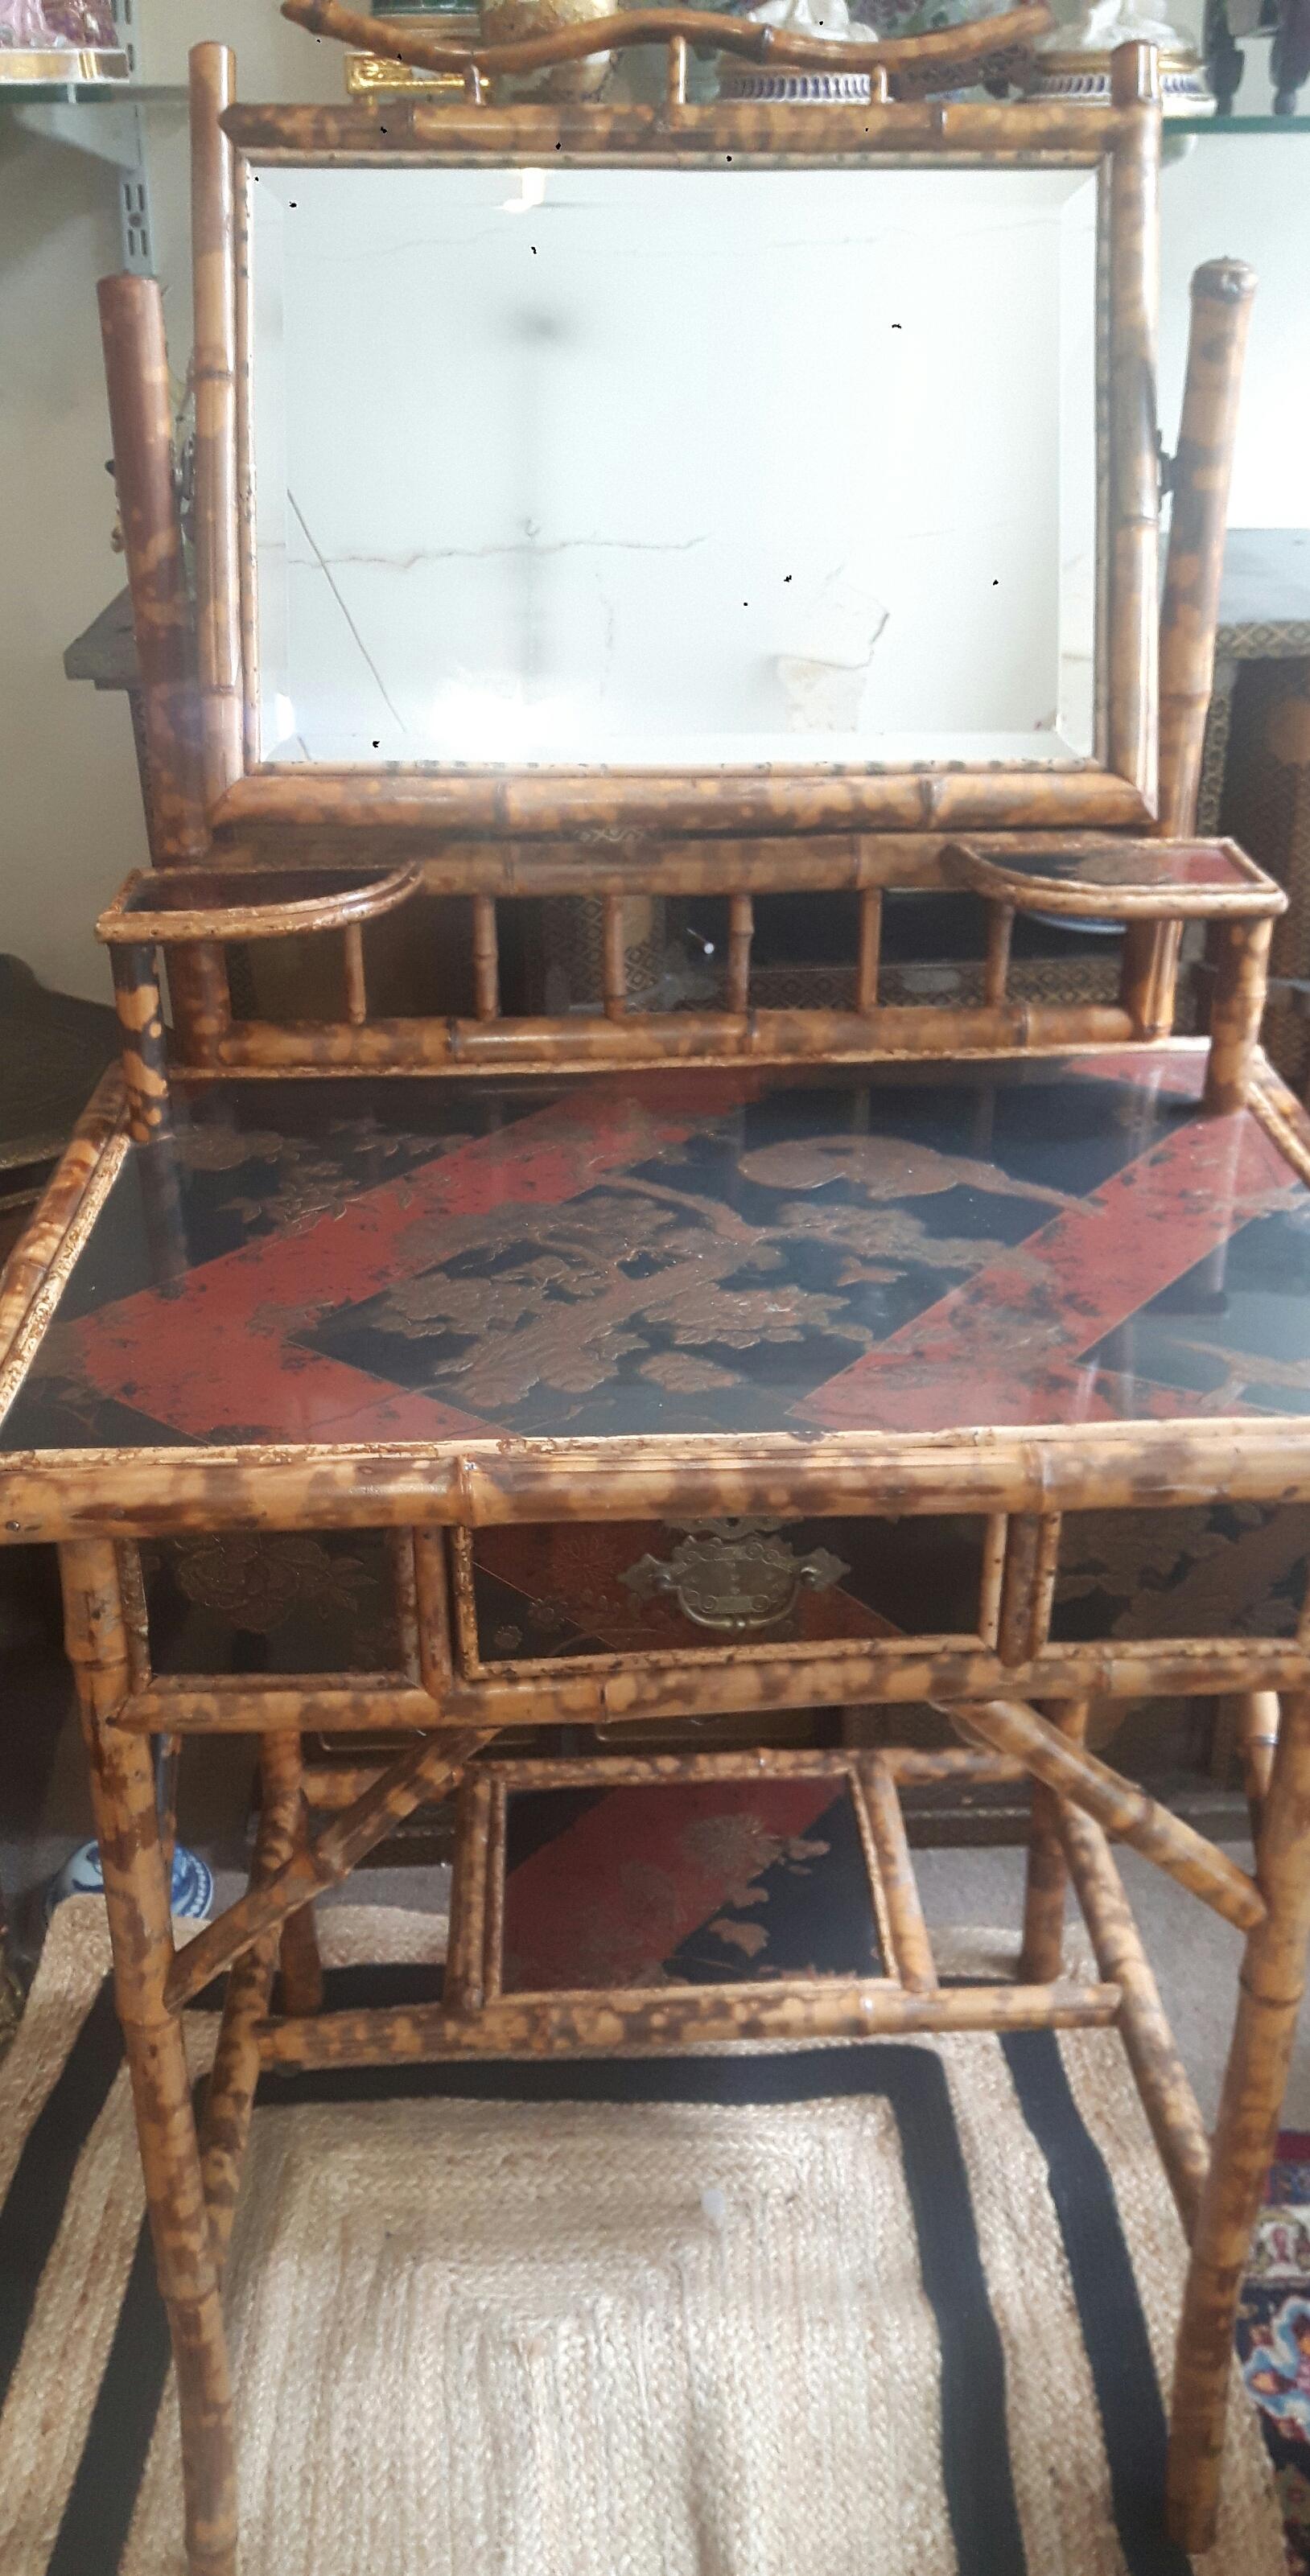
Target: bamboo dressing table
x=829 y=1330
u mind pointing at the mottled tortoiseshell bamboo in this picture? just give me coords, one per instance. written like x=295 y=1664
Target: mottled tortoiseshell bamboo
x=141 y=426
x=1046 y=1879
x=1272 y=1981
x=1162 y=2080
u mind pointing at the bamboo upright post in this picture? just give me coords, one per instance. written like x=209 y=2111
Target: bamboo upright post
x=218 y=585
x=1257 y=1732
x=141 y=427
x=1222 y=291
x=137 y=1899
x=283 y=1763
x=1042 y=1955
x=1273 y=1977
x=145 y=1053
x=1222 y=294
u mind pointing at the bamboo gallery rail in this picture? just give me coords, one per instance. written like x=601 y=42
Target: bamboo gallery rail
x=330 y=862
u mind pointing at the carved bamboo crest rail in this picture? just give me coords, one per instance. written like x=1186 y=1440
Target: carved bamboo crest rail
x=625 y=1340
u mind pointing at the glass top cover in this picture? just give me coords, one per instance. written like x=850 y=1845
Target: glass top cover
x=674 y=469
x=911 y=1250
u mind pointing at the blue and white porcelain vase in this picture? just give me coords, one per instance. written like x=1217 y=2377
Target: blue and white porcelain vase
x=82 y=1875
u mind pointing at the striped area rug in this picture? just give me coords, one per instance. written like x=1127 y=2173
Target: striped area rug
x=900 y=2310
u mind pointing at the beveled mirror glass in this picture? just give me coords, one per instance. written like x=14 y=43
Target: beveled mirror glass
x=666 y=469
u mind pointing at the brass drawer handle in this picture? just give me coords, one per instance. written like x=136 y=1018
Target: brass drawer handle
x=734 y=1575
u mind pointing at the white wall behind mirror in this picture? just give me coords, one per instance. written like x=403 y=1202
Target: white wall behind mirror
x=669 y=468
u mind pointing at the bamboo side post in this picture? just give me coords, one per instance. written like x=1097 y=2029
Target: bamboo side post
x=283 y=1765
x=356 y=979
x=141 y=428
x=1236 y=1011
x=1134 y=254
x=866 y=972
x=1000 y=935
x=486 y=958
x=1162 y=2080
x=741 y=933
x=137 y=1900
x=234 y=2075
x=1149 y=985
x=145 y=1052
x=1272 y=1979
x=218 y=585
x=1028 y=1585
x=1257 y=1734
x=1046 y=1880
x=1222 y=292
x=463 y=1986
x=878 y=1811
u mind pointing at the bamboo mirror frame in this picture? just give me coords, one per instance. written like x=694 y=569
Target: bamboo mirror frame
x=1113 y=788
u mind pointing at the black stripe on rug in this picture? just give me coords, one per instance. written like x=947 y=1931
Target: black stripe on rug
x=97 y=2516
x=34 y=2204
x=1114 y=2332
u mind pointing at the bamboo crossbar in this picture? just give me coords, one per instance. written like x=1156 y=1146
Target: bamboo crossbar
x=1162 y=2080
x=705 y=1681
x=1127 y=1814
x=87 y=1493
x=330 y=1857
x=193 y=903
x=334 y=1785
x=638 y=1039
x=567 y=2025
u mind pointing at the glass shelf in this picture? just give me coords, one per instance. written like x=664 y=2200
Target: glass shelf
x=84 y=93
x=1237 y=125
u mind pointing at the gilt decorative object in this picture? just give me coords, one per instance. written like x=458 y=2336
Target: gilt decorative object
x=826 y=18
x=510 y=22
x=1073 y=61
x=59 y=40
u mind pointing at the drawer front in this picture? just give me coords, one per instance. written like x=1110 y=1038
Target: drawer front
x=565 y=1593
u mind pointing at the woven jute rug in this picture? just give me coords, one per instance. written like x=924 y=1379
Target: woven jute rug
x=892 y=2310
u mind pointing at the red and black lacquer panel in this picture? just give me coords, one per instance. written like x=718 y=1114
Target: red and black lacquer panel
x=684 y=1252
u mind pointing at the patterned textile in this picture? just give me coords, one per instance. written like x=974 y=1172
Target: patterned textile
x=900 y=2310
x=1273 y=2336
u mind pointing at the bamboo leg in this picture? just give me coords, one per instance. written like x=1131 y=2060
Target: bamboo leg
x=234 y=2076
x=137 y=1898
x=1273 y=1975
x=282 y=1756
x=1042 y=1956
x=1162 y=2079
x=1257 y=1730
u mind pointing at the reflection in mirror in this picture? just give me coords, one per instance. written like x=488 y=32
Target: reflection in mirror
x=675 y=469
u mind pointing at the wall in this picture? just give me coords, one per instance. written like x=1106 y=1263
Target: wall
x=70 y=823
x=70 y=811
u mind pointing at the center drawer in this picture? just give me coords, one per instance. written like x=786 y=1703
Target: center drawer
x=563 y=1593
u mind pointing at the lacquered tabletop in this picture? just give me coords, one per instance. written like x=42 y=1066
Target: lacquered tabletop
x=831 y=1249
